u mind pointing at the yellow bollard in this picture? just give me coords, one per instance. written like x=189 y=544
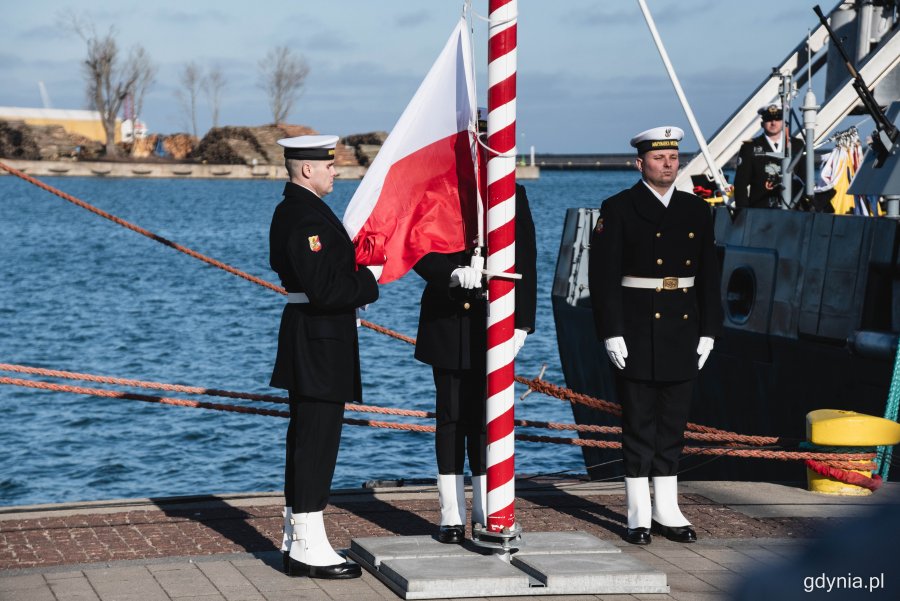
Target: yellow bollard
x=837 y=428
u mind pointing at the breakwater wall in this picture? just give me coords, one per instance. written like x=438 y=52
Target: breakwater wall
x=185 y=170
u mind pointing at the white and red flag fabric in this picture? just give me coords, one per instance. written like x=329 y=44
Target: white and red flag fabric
x=419 y=194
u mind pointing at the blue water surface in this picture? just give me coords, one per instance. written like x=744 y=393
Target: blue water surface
x=80 y=293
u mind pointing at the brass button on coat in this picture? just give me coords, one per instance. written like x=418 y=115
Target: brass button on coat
x=691 y=235
x=466 y=306
x=688 y=262
x=659 y=235
x=657 y=316
x=659 y=261
x=659 y=289
x=685 y=316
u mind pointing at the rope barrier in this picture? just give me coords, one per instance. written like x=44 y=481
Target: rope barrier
x=582 y=442
x=695 y=431
x=594 y=429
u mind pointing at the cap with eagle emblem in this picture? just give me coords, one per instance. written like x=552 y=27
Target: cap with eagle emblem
x=658 y=138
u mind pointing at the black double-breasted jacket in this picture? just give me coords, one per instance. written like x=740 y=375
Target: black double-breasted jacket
x=452 y=321
x=638 y=236
x=751 y=173
x=318 y=352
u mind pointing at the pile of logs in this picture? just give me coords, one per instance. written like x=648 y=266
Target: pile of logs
x=44 y=142
x=220 y=146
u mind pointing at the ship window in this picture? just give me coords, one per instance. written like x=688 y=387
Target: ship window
x=740 y=294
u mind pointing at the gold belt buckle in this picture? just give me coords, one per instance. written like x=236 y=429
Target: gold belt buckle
x=670 y=283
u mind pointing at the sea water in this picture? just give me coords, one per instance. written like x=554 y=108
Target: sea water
x=82 y=294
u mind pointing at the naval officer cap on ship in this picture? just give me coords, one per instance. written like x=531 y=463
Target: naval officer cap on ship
x=317 y=360
x=654 y=282
x=771 y=112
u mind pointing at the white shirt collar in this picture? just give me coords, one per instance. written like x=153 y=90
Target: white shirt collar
x=776 y=143
x=663 y=198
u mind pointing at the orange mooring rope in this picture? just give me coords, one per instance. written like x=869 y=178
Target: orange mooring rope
x=115 y=394
x=695 y=431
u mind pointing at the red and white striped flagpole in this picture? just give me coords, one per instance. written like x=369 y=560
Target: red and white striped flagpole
x=501 y=244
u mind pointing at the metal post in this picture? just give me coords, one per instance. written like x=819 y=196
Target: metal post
x=501 y=193
x=786 y=91
x=809 y=123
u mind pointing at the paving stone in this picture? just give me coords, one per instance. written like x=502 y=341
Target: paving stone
x=266 y=579
x=15 y=583
x=724 y=581
x=696 y=563
x=229 y=581
x=307 y=595
x=51 y=576
x=185 y=582
x=688 y=583
x=73 y=589
x=28 y=594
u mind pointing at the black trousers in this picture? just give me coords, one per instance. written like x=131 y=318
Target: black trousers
x=313 y=438
x=460 y=398
x=654 y=415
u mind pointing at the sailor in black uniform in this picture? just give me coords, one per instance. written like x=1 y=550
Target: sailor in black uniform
x=654 y=282
x=757 y=180
x=452 y=338
x=318 y=353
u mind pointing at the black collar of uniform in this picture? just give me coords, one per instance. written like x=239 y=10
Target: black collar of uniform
x=646 y=204
x=298 y=193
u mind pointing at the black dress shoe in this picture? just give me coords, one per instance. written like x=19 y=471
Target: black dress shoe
x=679 y=534
x=452 y=535
x=638 y=536
x=336 y=572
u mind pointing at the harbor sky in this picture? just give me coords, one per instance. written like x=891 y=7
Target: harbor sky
x=589 y=76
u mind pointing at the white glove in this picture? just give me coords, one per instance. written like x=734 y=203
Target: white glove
x=467 y=277
x=706 y=345
x=376 y=270
x=615 y=348
x=518 y=340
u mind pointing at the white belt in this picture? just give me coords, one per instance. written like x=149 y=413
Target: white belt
x=297 y=298
x=630 y=281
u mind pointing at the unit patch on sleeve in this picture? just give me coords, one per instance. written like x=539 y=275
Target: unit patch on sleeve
x=314 y=244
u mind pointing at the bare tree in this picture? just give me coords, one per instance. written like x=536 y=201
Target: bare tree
x=146 y=78
x=191 y=79
x=282 y=74
x=213 y=84
x=109 y=78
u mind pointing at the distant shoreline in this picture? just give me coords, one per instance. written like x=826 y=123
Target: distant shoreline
x=184 y=170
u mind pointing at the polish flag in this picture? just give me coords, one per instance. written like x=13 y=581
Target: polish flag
x=418 y=196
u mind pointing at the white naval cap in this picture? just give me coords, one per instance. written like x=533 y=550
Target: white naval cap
x=310 y=148
x=658 y=138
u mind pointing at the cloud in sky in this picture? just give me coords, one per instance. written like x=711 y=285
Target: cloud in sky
x=588 y=73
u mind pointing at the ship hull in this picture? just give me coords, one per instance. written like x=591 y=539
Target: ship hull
x=811 y=321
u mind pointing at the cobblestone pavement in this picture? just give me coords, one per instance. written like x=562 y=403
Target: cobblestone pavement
x=214 y=548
